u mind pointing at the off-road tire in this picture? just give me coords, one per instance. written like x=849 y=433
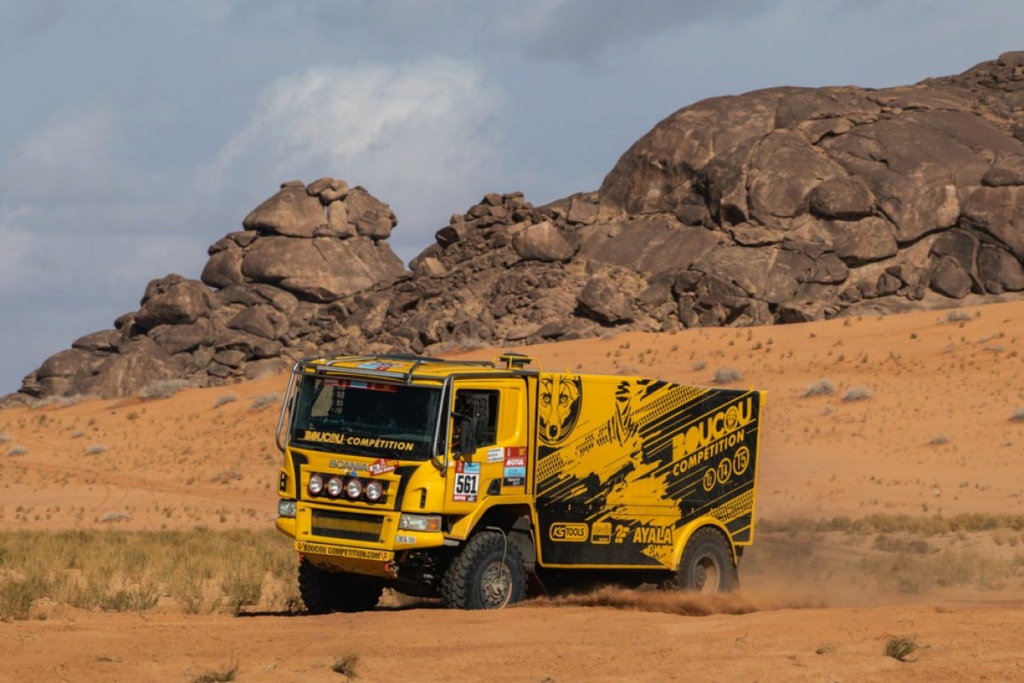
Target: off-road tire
x=487 y=574
x=324 y=592
x=706 y=566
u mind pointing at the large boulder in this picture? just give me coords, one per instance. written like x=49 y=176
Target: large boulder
x=542 y=242
x=173 y=300
x=291 y=212
x=322 y=268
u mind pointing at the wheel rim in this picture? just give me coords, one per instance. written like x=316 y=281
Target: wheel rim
x=708 y=575
x=495 y=585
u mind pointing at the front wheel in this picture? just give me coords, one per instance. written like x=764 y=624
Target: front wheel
x=706 y=566
x=324 y=591
x=487 y=574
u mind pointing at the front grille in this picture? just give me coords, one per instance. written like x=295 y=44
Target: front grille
x=347 y=525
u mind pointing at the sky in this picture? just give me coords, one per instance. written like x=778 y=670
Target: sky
x=134 y=133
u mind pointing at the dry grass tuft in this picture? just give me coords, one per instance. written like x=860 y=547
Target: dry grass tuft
x=165 y=388
x=265 y=401
x=224 y=399
x=130 y=571
x=900 y=648
x=727 y=375
x=218 y=676
x=857 y=394
x=346 y=665
x=823 y=387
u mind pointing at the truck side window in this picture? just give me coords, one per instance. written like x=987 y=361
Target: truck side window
x=483 y=404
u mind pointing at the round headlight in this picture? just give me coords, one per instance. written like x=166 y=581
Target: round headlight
x=354 y=488
x=334 y=487
x=374 y=490
x=316 y=484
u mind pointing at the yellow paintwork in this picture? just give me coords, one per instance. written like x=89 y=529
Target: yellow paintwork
x=613 y=465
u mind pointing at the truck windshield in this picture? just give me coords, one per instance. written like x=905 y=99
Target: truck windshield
x=357 y=417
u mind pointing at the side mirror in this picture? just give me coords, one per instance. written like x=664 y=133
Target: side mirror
x=466 y=444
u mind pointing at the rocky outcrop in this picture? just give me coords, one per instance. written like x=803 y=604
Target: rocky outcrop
x=258 y=299
x=778 y=206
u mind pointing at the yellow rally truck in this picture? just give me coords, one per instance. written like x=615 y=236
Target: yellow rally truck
x=473 y=481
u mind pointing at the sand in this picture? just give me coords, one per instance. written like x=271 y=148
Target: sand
x=919 y=423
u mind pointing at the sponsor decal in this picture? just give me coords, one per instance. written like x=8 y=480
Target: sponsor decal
x=382 y=466
x=652 y=535
x=560 y=399
x=727 y=467
x=361 y=441
x=711 y=436
x=568 y=532
x=601 y=533
x=375 y=365
x=467 y=482
x=407 y=540
x=338 y=551
x=514 y=473
x=348 y=465
x=495 y=455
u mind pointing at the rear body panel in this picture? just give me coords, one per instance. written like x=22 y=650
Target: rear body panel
x=626 y=465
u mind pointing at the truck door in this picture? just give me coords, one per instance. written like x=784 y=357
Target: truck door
x=488 y=418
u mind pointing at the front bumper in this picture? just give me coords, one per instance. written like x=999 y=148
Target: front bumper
x=354 y=540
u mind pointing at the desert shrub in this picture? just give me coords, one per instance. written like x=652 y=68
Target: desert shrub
x=346 y=665
x=917 y=574
x=17 y=450
x=135 y=598
x=243 y=587
x=223 y=676
x=699 y=365
x=726 y=375
x=958 y=316
x=822 y=387
x=164 y=388
x=265 y=401
x=224 y=399
x=914 y=546
x=17 y=596
x=119 y=570
x=1018 y=415
x=890 y=524
x=115 y=517
x=63 y=401
x=857 y=394
x=96 y=449
x=900 y=648
x=938 y=440
x=4 y=438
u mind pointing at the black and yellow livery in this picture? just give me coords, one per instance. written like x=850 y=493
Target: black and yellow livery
x=468 y=480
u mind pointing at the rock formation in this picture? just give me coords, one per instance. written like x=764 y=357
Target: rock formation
x=777 y=206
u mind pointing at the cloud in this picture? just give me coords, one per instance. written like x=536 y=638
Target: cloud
x=587 y=30
x=420 y=135
x=17 y=244
x=70 y=157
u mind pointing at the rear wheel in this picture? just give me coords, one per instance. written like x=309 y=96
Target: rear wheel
x=706 y=566
x=487 y=574
x=323 y=591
